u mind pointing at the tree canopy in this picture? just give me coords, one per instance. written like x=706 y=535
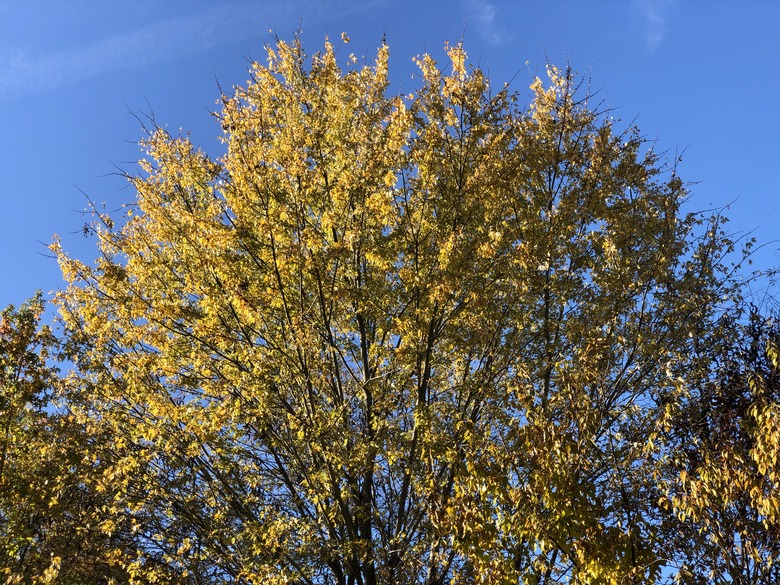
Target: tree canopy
x=454 y=336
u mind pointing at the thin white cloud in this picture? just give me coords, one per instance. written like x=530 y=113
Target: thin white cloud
x=23 y=72
x=483 y=14
x=654 y=14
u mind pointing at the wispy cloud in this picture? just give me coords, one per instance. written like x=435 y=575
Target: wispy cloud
x=23 y=72
x=483 y=14
x=654 y=13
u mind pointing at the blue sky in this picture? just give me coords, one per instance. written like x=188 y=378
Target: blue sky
x=698 y=76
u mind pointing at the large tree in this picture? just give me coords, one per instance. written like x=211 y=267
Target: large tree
x=431 y=338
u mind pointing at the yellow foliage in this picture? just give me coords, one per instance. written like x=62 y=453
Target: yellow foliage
x=394 y=339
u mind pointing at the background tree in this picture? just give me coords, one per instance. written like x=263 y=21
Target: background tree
x=51 y=521
x=724 y=470
x=383 y=339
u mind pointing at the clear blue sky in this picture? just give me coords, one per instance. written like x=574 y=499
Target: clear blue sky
x=699 y=76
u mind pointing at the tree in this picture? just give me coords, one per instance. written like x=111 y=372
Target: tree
x=23 y=386
x=385 y=339
x=49 y=516
x=725 y=470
